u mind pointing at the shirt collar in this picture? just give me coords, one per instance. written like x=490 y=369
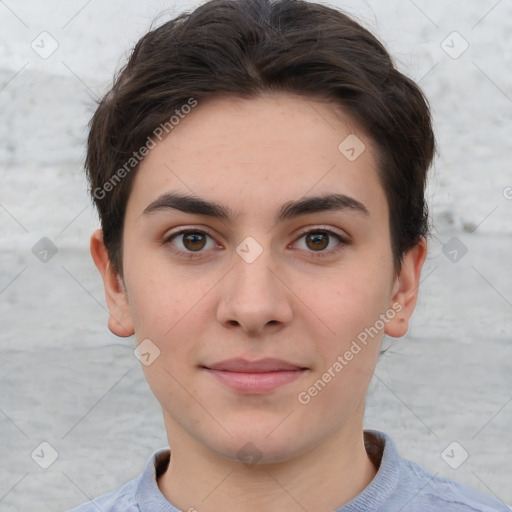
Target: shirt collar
x=380 y=447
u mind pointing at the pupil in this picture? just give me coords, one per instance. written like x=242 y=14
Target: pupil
x=194 y=241
x=318 y=241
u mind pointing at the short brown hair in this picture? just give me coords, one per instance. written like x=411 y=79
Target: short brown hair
x=246 y=48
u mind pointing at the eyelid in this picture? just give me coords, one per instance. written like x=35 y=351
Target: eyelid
x=328 y=229
x=188 y=229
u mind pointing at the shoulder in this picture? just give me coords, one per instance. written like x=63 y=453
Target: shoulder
x=122 y=499
x=426 y=492
x=141 y=493
x=401 y=484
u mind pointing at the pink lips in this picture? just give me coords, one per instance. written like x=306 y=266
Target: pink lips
x=255 y=377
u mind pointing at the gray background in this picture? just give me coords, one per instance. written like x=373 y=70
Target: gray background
x=66 y=380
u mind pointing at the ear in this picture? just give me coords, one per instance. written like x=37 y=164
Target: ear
x=405 y=289
x=120 y=321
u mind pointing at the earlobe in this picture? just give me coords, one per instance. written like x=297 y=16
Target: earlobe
x=120 y=321
x=405 y=289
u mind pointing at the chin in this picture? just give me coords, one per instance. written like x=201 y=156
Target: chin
x=250 y=454
x=256 y=445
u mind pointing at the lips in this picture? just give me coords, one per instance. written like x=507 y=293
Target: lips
x=261 y=366
x=254 y=377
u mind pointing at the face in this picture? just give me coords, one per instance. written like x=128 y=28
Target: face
x=257 y=262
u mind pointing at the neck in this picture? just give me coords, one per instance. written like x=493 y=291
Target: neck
x=323 y=479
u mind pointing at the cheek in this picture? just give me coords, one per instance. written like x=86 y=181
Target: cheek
x=348 y=357
x=162 y=301
x=351 y=306
x=354 y=303
x=170 y=313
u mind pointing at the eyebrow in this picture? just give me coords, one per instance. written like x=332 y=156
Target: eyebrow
x=195 y=205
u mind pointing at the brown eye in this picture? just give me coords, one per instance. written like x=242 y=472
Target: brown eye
x=321 y=242
x=194 y=241
x=317 y=241
x=190 y=242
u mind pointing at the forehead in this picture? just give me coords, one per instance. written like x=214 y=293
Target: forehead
x=261 y=152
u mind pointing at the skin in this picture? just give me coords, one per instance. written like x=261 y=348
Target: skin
x=253 y=156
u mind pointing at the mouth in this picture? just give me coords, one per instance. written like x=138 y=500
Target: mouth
x=255 y=377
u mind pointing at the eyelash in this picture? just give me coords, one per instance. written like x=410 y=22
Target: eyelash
x=316 y=254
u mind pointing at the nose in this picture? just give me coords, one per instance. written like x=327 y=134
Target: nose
x=254 y=298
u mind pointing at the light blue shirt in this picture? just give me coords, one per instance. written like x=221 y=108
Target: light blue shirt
x=399 y=485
